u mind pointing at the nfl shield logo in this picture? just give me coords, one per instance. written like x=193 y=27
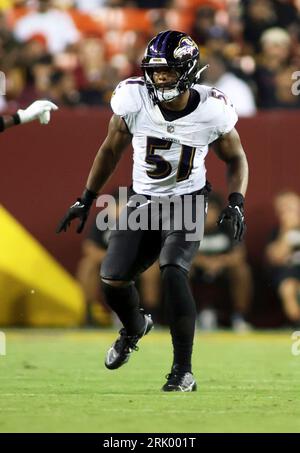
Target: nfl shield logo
x=170 y=129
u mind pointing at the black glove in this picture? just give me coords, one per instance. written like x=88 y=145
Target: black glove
x=79 y=210
x=232 y=217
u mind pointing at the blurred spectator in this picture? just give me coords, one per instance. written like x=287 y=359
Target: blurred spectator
x=276 y=48
x=294 y=32
x=259 y=16
x=221 y=261
x=236 y=89
x=99 y=76
x=286 y=12
x=204 y=20
x=158 y=21
x=127 y=61
x=283 y=254
x=216 y=39
x=57 y=27
x=39 y=67
x=235 y=25
x=284 y=96
x=62 y=89
x=14 y=88
x=9 y=47
x=83 y=21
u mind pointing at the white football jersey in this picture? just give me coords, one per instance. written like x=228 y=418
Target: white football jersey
x=169 y=155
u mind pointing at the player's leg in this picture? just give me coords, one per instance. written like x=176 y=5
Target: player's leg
x=176 y=257
x=181 y=313
x=129 y=253
x=117 y=272
x=150 y=289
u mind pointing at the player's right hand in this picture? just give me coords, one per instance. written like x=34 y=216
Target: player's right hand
x=79 y=210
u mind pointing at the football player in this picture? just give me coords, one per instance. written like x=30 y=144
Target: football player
x=37 y=110
x=171 y=120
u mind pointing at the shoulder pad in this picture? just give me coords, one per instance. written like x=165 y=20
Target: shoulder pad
x=126 y=99
x=219 y=108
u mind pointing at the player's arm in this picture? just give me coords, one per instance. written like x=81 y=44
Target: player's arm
x=109 y=154
x=228 y=148
x=37 y=110
x=118 y=138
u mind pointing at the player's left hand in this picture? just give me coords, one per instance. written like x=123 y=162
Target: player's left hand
x=232 y=217
x=37 y=110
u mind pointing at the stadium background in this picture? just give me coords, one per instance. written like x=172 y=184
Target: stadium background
x=44 y=169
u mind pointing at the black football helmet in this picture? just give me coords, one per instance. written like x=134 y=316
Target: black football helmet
x=172 y=49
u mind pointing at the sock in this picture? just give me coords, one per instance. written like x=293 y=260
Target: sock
x=125 y=302
x=181 y=312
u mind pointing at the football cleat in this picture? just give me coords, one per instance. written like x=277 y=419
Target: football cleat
x=180 y=382
x=119 y=352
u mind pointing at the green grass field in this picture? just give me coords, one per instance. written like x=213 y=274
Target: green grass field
x=55 y=381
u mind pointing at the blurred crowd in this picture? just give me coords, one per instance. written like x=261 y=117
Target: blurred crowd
x=74 y=52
